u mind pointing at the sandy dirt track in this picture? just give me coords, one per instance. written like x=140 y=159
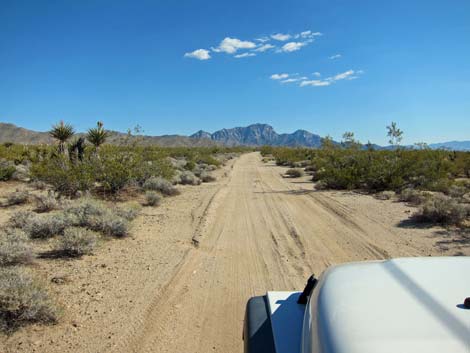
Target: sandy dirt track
x=182 y=283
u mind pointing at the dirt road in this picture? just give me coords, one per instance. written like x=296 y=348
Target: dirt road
x=260 y=232
x=181 y=282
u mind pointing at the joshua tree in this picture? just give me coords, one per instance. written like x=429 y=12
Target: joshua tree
x=395 y=134
x=98 y=135
x=62 y=132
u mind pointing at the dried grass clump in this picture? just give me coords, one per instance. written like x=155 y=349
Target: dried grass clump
x=20 y=219
x=77 y=242
x=23 y=300
x=442 y=209
x=152 y=198
x=14 y=247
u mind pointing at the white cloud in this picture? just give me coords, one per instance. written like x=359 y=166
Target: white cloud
x=200 y=54
x=306 y=34
x=297 y=79
x=231 y=45
x=281 y=37
x=336 y=56
x=317 y=83
x=263 y=39
x=244 y=55
x=264 y=47
x=317 y=74
x=292 y=46
x=343 y=75
x=279 y=76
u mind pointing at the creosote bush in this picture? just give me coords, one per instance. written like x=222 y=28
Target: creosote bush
x=294 y=172
x=152 y=198
x=6 y=172
x=160 y=184
x=23 y=300
x=14 y=247
x=442 y=209
x=77 y=242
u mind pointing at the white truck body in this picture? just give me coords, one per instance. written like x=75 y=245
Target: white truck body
x=403 y=305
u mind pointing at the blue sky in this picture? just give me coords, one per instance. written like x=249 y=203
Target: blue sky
x=130 y=62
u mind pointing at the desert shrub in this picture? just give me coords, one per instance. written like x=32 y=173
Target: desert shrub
x=442 y=209
x=160 y=184
x=20 y=219
x=129 y=212
x=96 y=216
x=77 y=242
x=206 y=177
x=412 y=196
x=117 y=227
x=385 y=195
x=6 y=172
x=17 y=198
x=14 y=247
x=188 y=178
x=294 y=173
x=65 y=176
x=152 y=198
x=46 y=226
x=38 y=185
x=46 y=203
x=457 y=191
x=23 y=300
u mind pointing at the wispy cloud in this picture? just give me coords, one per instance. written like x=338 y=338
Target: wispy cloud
x=304 y=81
x=244 y=55
x=231 y=45
x=336 y=56
x=200 y=54
x=316 y=83
x=292 y=46
x=264 y=47
x=279 y=76
x=281 y=37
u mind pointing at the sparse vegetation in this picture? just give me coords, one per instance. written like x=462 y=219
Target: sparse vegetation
x=152 y=198
x=46 y=203
x=77 y=242
x=160 y=184
x=294 y=172
x=442 y=209
x=46 y=226
x=23 y=300
x=188 y=178
x=17 y=198
x=14 y=247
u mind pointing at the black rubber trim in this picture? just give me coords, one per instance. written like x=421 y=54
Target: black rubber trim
x=257 y=332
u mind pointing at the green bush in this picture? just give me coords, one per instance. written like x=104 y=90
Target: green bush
x=23 y=300
x=6 y=172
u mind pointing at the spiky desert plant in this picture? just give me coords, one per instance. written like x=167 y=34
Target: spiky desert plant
x=98 y=135
x=62 y=132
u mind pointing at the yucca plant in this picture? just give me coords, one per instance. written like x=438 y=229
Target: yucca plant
x=98 y=135
x=62 y=132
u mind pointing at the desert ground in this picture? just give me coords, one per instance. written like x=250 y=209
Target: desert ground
x=181 y=281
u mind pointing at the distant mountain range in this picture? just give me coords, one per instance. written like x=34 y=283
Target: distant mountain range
x=252 y=135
